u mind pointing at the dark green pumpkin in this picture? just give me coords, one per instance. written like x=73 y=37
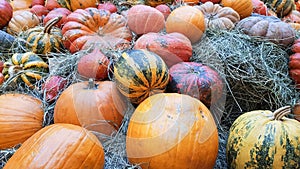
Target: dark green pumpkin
x=140 y=73
x=264 y=139
x=280 y=7
x=43 y=40
x=25 y=67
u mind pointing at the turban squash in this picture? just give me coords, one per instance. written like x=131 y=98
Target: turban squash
x=91 y=26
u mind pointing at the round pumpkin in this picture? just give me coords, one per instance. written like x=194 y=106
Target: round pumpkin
x=139 y=74
x=37 y=2
x=52 y=87
x=44 y=39
x=197 y=80
x=40 y=11
x=21 y=116
x=259 y=7
x=59 y=146
x=57 y=12
x=96 y=106
x=281 y=8
x=52 y=4
x=264 y=139
x=172 y=48
x=6 y=41
x=188 y=2
x=164 y=9
x=6 y=13
x=268 y=27
x=108 y=6
x=172 y=131
x=144 y=19
x=186 y=20
x=26 y=67
x=93 y=65
x=213 y=1
x=293 y=17
x=92 y=26
x=243 y=7
x=296 y=111
x=217 y=17
x=21 y=21
x=72 y=5
x=155 y=3
x=20 y=4
x=294 y=68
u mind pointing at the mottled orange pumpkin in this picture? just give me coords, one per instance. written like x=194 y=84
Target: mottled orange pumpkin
x=243 y=7
x=59 y=146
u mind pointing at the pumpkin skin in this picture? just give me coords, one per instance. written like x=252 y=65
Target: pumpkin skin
x=52 y=4
x=25 y=67
x=44 y=39
x=294 y=68
x=97 y=106
x=57 y=12
x=108 y=6
x=264 y=139
x=21 y=21
x=186 y=20
x=217 y=17
x=85 y=28
x=139 y=74
x=172 y=47
x=164 y=9
x=259 y=7
x=172 y=131
x=213 y=1
x=40 y=11
x=74 y=146
x=144 y=19
x=6 y=41
x=293 y=17
x=154 y=3
x=6 y=13
x=20 y=4
x=21 y=116
x=243 y=7
x=52 y=86
x=72 y=5
x=268 y=27
x=197 y=80
x=281 y=8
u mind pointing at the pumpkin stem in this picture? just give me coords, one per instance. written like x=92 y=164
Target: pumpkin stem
x=91 y=84
x=51 y=23
x=281 y=112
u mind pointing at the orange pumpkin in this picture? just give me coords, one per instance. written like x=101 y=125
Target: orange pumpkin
x=243 y=7
x=186 y=20
x=97 y=106
x=59 y=146
x=172 y=131
x=72 y=5
x=20 y=117
x=91 y=26
x=20 y=4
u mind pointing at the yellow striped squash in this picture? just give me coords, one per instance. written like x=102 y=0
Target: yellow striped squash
x=264 y=139
x=280 y=7
x=25 y=67
x=140 y=73
x=43 y=40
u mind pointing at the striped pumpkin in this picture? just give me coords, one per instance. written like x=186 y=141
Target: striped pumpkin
x=42 y=40
x=140 y=73
x=280 y=7
x=25 y=67
x=263 y=139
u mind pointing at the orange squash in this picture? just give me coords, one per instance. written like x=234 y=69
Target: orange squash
x=243 y=7
x=62 y=146
x=172 y=131
x=97 y=106
x=20 y=117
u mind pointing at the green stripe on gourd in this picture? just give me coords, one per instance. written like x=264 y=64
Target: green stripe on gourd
x=263 y=139
x=140 y=73
x=280 y=7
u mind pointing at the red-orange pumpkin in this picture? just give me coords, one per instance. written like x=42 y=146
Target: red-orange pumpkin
x=6 y=13
x=97 y=106
x=63 y=12
x=172 y=48
x=91 y=26
x=144 y=19
x=20 y=117
x=59 y=146
x=294 y=66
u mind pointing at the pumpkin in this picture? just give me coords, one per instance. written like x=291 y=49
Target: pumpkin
x=281 y=8
x=188 y=2
x=268 y=27
x=243 y=7
x=93 y=65
x=294 y=68
x=59 y=146
x=57 y=12
x=217 y=17
x=52 y=4
x=172 y=131
x=21 y=116
x=72 y=5
x=97 y=106
x=213 y=1
x=40 y=11
x=293 y=17
x=197 y=80
x=144 y=19
x=155 y=3
x=108 y=6
x=44 y=39
x=297 y=5
x=85 y=28
x=37 y=2
x=52 y=87
x=21 y=21
x=186 y=20
x=296 y=111
x=6 y=13
x=6 y=41
x=25 y=67
x=296 y=46
x=164 y=9
x=20 y=4
x=264 y=139
x=140 y=73
x=172 y=48
x=259 y=7
x=1 y=78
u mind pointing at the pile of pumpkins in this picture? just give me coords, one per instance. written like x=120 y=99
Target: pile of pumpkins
x=171 y=126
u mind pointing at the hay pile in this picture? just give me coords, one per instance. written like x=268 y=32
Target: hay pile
x=255 y=72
